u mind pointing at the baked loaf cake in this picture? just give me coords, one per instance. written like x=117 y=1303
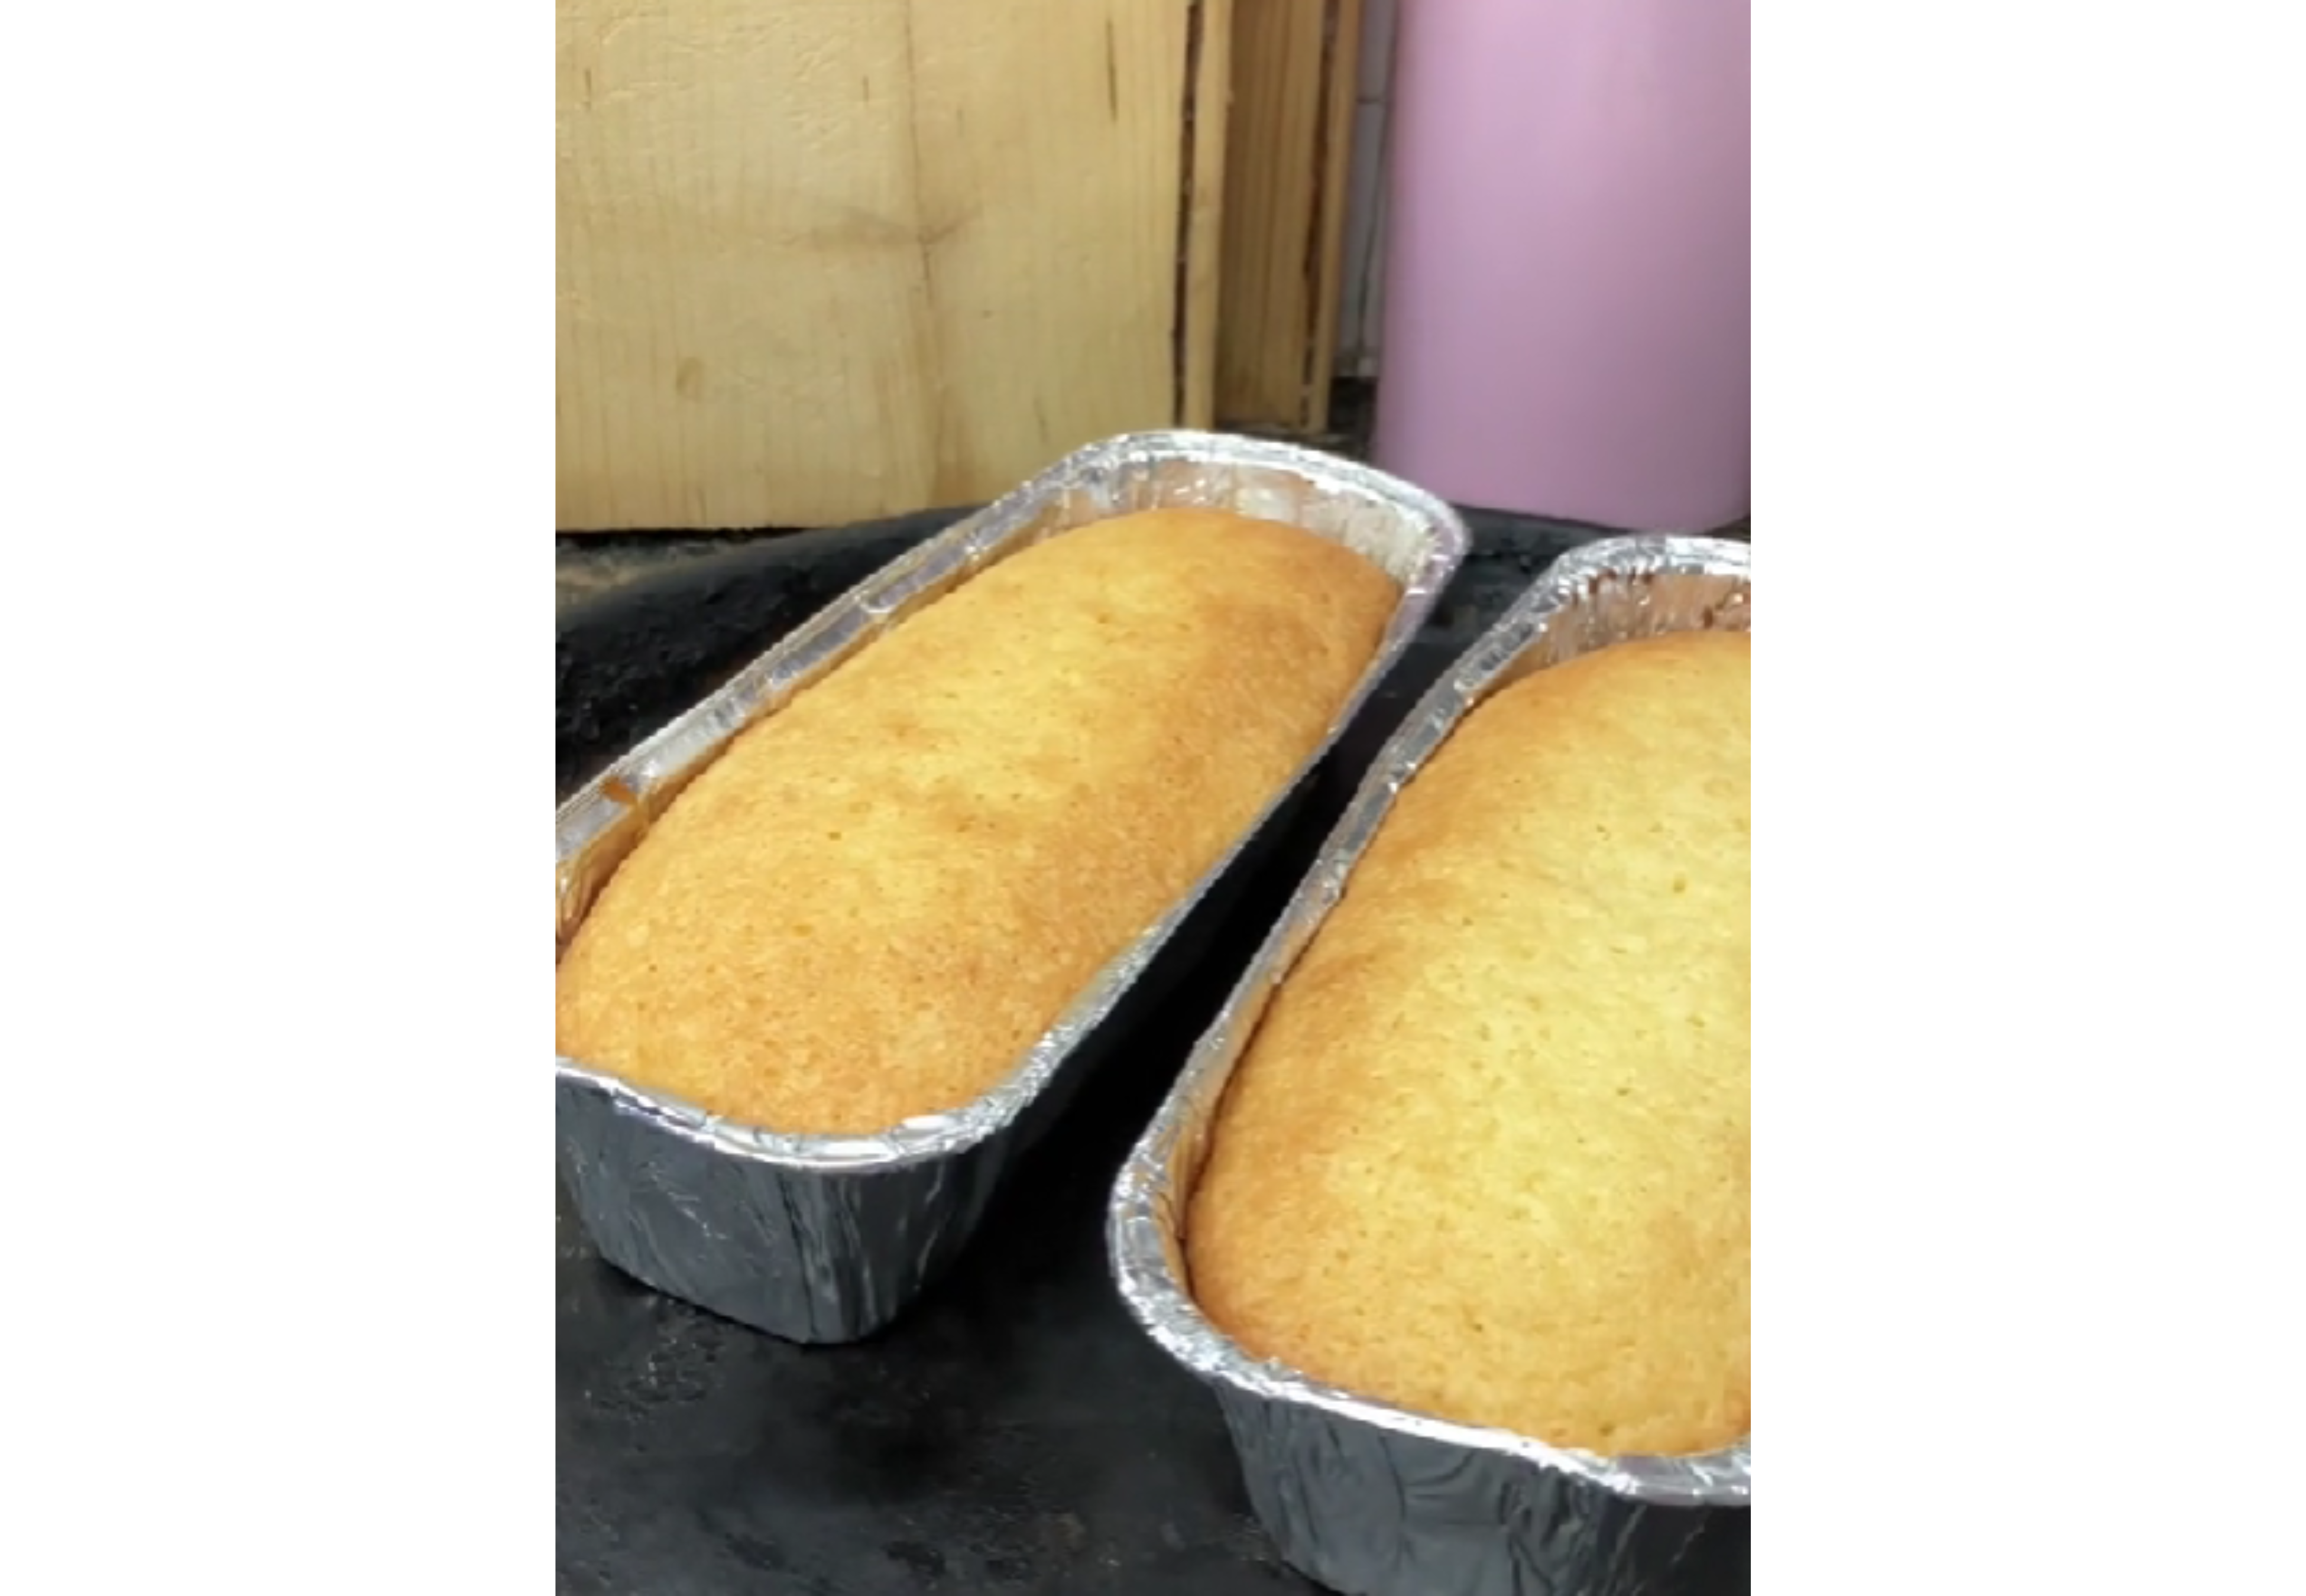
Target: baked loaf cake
x=877 y=899
x=1485 y=1157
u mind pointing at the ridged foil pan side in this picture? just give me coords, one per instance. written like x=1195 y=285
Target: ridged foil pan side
x=1365 y=1498
x=827 y=1238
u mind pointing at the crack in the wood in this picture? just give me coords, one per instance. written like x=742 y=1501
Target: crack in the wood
x=925 y=239
x=1182 y=331
x=1111 y=71
x=1310 y=401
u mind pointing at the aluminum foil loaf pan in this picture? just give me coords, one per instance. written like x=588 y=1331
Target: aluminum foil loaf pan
x=827 y=1238
x=1365 y=1498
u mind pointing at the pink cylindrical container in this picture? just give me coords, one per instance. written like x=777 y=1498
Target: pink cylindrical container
x=1566 y=330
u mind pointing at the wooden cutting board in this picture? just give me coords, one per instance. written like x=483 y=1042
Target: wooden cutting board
x=825 y=259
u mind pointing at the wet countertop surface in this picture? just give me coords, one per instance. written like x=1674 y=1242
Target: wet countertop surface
x=590 y=566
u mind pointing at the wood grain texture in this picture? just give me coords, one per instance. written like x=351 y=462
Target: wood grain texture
x=825 y=259
x=1289 y=144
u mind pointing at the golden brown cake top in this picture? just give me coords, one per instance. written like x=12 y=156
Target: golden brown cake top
x=1486 y=1157
x=877 y=899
